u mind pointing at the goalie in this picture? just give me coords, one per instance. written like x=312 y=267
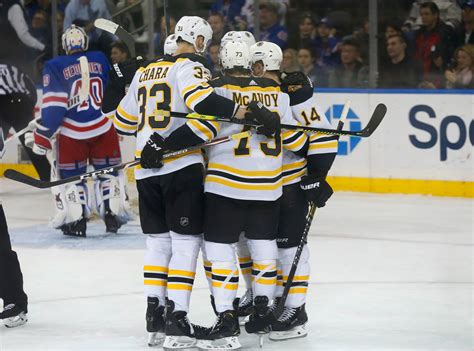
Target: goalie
x=83 y=136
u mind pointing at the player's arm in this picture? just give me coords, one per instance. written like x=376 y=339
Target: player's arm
x=53 y=108
x=293 y=140
x=127 y=112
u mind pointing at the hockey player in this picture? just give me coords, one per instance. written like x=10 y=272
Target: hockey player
x=171 y=192
x=242 y=187
x=83 y=136
x=15 y=301
x=304 y=181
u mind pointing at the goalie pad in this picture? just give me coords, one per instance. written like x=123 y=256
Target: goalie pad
x=71 y=204
x=111 y=193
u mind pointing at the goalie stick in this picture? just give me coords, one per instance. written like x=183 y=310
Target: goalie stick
x=74 y=101
x=375 y=120
x=261 y=323
x=115 y=29
x=25 y=179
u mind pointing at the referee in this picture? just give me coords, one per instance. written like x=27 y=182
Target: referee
x=17 y=102
x=15 y=301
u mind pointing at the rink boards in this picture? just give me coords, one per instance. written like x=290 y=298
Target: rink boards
x=424 y=145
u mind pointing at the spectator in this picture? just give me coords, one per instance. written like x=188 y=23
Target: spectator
x=83 y=13
x=229 y=10
x=435 y=78
x=467 y=33
x=216 y=20
x=449 y=12
x=119 y=52
x=40 y=27
x=307 y=31
x=401 y=71
x=248 y=11
x=214 y=58
x=351 y=73
x=462 y=76
x=290 y=61
x=161 y=36
x=327 y=43
x=270 y=28
x=310 y=68
x=433 y=33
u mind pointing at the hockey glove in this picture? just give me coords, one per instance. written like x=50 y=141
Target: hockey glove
x=152 y=153
x=316 y=189
x=42 y=140
x=294 y=79
x=269 y=121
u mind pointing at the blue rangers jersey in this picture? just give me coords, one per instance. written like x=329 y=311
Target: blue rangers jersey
x=61 y=82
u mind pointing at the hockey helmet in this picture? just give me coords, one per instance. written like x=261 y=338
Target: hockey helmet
x=189 y=28
x=240 y=36
x=74 y=38
x=235 y=54
x=269 y=53
x=170 y=46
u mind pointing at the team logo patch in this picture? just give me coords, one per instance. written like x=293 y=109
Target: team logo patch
x=184 y=221
x=46 y=80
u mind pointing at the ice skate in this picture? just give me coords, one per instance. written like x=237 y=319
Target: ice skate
x=13 y=316
x=112 y=223
x=179 y=331
x=77 y=228
x=223 y=335
x=155 y=322
x=291 y=324
x=244 y=306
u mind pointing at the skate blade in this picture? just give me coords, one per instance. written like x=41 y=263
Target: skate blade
x=155 y=339
x=179 y=343
x=15 y=321
x=243 y=320
x=229 y=343
x=297 y=332
x=260 y=339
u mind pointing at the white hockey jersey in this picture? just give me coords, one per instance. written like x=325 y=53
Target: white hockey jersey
x=249 y=169
x=308 y=114
x=170 y=83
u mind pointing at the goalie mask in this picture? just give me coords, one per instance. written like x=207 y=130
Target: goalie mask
x=74 y=39
x=189 y=28
x=235 y=55
x=269 y=53
x=240 y=36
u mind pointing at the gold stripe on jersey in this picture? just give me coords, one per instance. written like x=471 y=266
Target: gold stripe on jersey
x=198 y=94
x=243 y=186
x=323 y=147
x=294 y=141
x=124 y=127
x=206 y=130
x=236 y=171
x=270 y=89
x=126 y=116
x=292 y=171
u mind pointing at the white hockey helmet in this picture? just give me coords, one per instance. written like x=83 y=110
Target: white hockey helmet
x=170 y=46
x=74 y=39
x=241 y=36
x=269 y=53
x=235 y=54
x=189 y=28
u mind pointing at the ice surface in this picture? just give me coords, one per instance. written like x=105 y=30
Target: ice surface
x=389 y=272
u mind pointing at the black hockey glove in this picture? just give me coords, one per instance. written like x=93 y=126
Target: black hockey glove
x=294 y=79
x=316 y=189
x=269 y=121
x=152 y=153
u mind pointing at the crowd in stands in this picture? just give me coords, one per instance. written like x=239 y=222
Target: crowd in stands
x=431 y=47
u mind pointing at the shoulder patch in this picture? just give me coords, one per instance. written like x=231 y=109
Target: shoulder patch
x=46 y=80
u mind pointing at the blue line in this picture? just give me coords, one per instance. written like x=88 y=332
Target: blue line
x=397 y=91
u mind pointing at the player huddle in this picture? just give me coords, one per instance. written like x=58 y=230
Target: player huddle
x=242 y=202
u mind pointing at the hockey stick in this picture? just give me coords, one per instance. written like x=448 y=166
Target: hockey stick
x=261 y=323
x=167 y=18
x=375 y=120
x=83 y=93
x=25 y=179
x=115 y=29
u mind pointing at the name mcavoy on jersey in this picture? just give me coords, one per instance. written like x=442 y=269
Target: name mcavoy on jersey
x=269 y=100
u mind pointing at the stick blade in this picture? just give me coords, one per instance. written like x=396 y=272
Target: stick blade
x=23 y=178
x=105 y=24
x=85 y=79
x=375 y=120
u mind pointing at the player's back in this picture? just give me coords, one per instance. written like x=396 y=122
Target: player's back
x=249 y=169
x=62 y=82
x=172 y=83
